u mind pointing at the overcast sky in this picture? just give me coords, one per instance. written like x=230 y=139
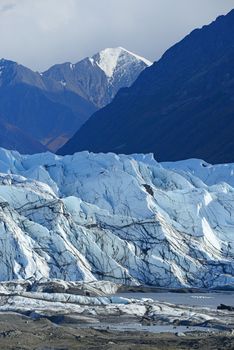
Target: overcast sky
x=39 y=33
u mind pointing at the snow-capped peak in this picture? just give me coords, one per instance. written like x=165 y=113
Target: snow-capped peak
x=140 y=58
x=109 y=58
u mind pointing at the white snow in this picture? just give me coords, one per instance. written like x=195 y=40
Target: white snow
x=108 y=59
x=91 y=60
x=140 y=58
x=63 y=83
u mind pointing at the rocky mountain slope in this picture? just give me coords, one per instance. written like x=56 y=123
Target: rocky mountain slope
x=182 y=107
x=126 y=219
x=99 y=78
x=49 y=107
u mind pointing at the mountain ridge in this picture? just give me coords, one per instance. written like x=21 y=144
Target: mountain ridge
x=174 y=113
x=113 y=68
x=50 y=110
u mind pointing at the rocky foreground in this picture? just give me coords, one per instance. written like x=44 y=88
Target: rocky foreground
x=95 y=302
x=74 y=315
x=19 y=332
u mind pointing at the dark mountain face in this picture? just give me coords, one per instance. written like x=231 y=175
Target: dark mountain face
x=82 y=78
x=43 y=114
x=40 y=107
x=13 y=138
x=181 y=107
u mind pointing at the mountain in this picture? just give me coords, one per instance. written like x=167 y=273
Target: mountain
x=181 y=107
x=99 y=78
x=12 y=137
x=38 y=106
x=126 y=219
x=51 y=106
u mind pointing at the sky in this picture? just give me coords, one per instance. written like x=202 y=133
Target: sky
x=40 y=33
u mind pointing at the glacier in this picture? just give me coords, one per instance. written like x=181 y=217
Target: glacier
x=124 y=219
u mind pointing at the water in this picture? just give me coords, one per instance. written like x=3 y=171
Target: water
x=128 y=327
x=210 y=300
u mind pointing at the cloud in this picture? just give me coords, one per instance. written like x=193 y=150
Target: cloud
x=39 y=33
x=7 y=7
